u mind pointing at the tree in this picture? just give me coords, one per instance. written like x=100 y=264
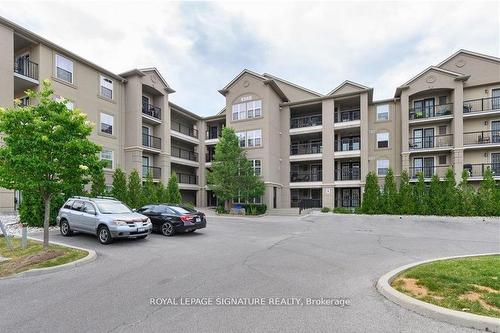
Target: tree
x=420 y=197
x=119 y=190
x=390 y=194
x=466 y=196
x=232 y=174
x=449 y=194
x=435 y=196
x=405 y=194
x=371 y=195
x=173 y=192
x=134 y=191
x=149 y=191
x=487 y=195
x=161 y=193
x=46 y=151
x=98 y=184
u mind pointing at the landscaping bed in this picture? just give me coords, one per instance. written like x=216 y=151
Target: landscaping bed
x=33 y=256
x=468 y=284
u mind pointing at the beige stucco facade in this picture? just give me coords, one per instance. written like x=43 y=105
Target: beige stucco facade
x=311 y=149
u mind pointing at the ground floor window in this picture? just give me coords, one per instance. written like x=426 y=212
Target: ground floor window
x=348 y=197
x=310 y=197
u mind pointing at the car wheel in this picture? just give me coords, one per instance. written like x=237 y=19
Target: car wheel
x=167 y=229
x=65 y=229
x=104 y=235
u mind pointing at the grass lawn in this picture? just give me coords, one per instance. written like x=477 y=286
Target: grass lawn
x=34 y=257
x=468 y=284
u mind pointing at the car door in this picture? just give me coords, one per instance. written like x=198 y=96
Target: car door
x=89 y=218
x=75 y=217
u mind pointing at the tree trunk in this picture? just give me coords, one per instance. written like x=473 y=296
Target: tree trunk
x=46 y=221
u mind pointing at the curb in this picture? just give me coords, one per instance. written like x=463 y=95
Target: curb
x=91 y=256
x=433 y=311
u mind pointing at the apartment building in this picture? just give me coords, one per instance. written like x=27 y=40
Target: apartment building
x=308 y=147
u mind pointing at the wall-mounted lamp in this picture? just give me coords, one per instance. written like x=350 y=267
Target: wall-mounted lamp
x=485 y=154
x=486 y=91
x=485 y=123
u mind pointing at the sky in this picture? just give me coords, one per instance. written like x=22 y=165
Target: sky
x=201 y=46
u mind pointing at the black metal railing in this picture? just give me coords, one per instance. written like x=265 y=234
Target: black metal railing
x=431 y=111
x=209 y=157
x=184 y=129
x=482 y=104
x=151 y=141
x=306 y=203
x=213 y=134
x=305 y=176
x=152 y=111
x=26 y=68
x=184 y=154
x=306 y=121
x=478 y=170
x=347 y=115
x=482 y=137
x=428 y=171
x=155 y=172
x=432 y=141
x=186 y=178
x=306 y=148
x=347 y=174
x=347 y=144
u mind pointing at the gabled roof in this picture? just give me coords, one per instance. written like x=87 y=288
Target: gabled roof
x=140 y=72
x=184 y=111
x=474 y=54
x=269 y=76
x=347 y=82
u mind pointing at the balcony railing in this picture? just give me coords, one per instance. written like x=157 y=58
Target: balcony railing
x=26 y=68
x=209 y=135
x=184 y=129
x=478 y=170
x=482 y=104
x=306 y=148
x=151 y=141
x=482 y=137
x=347 y=115
x=184 y=154
x=306 y=121
x=186 y=178
x=304 y=176
x=152 y=111
x=431 y=111
x=155 y=172
x=307 y=204
x=429 y=171
x=347 y=144
x=348 y=174
x=429 y=142
x=209 y=157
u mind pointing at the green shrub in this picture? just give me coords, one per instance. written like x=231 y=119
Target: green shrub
x=220 y=210
x=254 y=209
x=342 y=210
x=31 y=210
x=371 y=203
x=325 y=210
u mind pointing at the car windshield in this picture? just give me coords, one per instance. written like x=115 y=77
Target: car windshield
x=110 y=207
x=179 y=210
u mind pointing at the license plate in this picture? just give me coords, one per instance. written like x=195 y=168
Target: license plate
x=141 y=229
x=198 y=219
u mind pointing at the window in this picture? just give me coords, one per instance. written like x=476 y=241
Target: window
x=250 y=138
x=442 y=159
x=442 y=100
x=383 y=140
x=106 y=87
x=25 y=101
x=107 y=123
x=382 y=167
x=242 y=138
x=442 y=130
x=257 y=167
x=64 y=68
x=383 y=112
x=252 y=109
x=77 y=205
x=107 y=155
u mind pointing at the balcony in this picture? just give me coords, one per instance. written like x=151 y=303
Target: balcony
x=480 y=105
x=186 y=178
x=151 y=141
x=478 y=170
x=347 y=115
x=306 y=121
x=347 y=144
x=306 y=148
x=482 y=138
x=431 y=111
x=428 y=171
x=347 y=174
x=26 y=68
x=184 y=129
x=305 y=176
x=431 y=142
x=212 y=134
x=184 y=154
x=155 y=172
x=151 y=111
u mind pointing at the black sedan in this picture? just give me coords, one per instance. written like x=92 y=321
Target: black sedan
x=170 y=219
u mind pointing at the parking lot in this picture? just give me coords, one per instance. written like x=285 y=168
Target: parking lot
x=314 y=256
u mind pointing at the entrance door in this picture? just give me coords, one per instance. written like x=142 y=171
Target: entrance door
x=145 y=136
x=495 y=100
x=22 y=66
x=495 y=164
x=145 y=166
x=495 y=131
x=428 y=167
x=346 y=172
x=428 y=137
x=275 y=197
x=315 y=173
x=417 y=166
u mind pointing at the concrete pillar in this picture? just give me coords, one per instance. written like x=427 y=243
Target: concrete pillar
x=284 y=166
x=328 y=162
x=201 y=194
x=364 y=135
x=458 y=130
x=405 y=128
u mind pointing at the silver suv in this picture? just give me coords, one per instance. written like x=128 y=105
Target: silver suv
x=105 y=217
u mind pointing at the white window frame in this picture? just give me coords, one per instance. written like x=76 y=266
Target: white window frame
x=242 y=139
x=105 y=83
x=379 y=139
x=247 y=110
x=58 y=59
x=382 y=109
x=112 y=159
x=102 y=119
x=255 y=167
x=235 y=112
x=254 y=138
x=380 y=166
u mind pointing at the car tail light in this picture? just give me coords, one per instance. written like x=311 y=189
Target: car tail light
x=185 y=218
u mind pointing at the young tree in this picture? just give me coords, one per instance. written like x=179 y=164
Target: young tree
x=435 y=196
x=232 y=174
x=134 y=191
x=161 y=193
x=420 y=197
x=466 y=196
x=449 y=196
x=119 y=190
x=390 y=194
x=405 y=194
x=371 y=196
x=487 y=195
x=98 y=184
x=173 y=192
x=46 y=151
x=149 y=191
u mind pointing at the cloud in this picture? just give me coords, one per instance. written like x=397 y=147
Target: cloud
x=199 y=47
